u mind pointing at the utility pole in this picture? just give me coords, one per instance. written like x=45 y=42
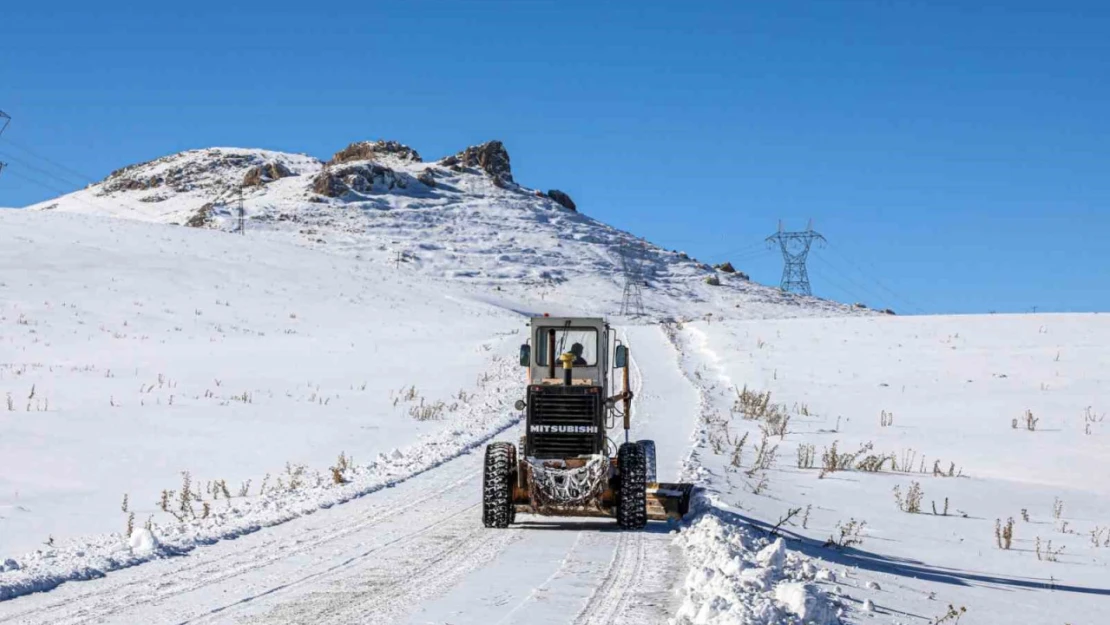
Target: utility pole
x=631 y=257
x=795 y=249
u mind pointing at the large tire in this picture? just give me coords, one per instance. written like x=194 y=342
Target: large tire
x=649 y=460
x=631 y=495
x=497 y=485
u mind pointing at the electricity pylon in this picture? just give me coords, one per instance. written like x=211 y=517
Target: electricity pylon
x=6 y=119
x=632 y=302
x=795 y=249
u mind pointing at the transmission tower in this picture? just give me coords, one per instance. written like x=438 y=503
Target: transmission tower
x=242 y=213
x=5 y=119
x=795 y=248
x=631 y=256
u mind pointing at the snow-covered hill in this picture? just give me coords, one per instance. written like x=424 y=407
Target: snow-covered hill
x=462 y=217
x=315 y=390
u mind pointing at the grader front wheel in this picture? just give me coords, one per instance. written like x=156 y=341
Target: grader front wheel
x=632 y=495
x=497 y=485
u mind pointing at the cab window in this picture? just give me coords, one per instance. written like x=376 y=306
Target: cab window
x=582 y=342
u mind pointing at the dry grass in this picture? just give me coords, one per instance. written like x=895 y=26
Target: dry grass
x=1004 y=534
x=1046 y=553
x=911 y=503
x=764 y=457
x=850 y=534
x=807 y=454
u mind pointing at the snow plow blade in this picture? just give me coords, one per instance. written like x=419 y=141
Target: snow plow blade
x=668 y=501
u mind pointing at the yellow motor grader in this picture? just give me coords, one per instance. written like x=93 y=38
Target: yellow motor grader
x=566 y=463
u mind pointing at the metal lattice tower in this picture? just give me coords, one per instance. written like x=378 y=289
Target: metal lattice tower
x=5 y=119
x=242 y=213
x=631 y=257
x=795 y=249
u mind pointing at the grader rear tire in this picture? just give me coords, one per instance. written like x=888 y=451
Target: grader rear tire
x=632 y=495
x=497 y=485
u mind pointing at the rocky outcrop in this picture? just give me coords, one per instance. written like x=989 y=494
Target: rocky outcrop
x=202 y=217
x=360 y=178
x=212 y=169
x=375 y=151
x=491 y=157
x=562 y=199
x=725 y=267
x=427 y=177
x=267 y=172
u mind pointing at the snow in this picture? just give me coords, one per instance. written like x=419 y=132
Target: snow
x=925 y=391
x=143 y=542
x=739 y=578
x=465 y=229
x=353 y=353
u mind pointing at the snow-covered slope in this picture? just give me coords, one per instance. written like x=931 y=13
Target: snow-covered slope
x=462 y=218
x=987 y=420
x=373 y=309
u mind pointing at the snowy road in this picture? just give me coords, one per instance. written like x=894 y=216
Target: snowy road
x=416 y=553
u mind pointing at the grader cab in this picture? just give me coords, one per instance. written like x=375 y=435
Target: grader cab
x=567 y=463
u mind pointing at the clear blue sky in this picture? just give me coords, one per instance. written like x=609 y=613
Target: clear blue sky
x=956 y=154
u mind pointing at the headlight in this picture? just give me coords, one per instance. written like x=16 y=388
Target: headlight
x=520 y=405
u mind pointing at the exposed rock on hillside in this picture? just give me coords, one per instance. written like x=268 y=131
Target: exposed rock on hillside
x=202 y=217
x=562 y=199
x=215 y=169
x=362 y=177
x=491 y=157
x=376 y=151
x=266 y=172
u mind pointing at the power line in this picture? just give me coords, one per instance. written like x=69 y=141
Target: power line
x=849 y=293
x=44 y=172
x=904 y=300
x=795 y=248
x=85 y=178
x=861 y=289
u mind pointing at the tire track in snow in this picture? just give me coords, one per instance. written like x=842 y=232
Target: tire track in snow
x=609 y=598
x=390 y=592
x=219 y=568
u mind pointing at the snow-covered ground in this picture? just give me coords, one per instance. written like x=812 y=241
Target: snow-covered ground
x=942 y=403
x=381 y=320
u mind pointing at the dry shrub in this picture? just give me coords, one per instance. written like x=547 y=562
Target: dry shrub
x=911 y=503
x=1004 y=534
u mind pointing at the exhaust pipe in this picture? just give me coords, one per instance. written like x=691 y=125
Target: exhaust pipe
x=551 y=353
x=568 y=368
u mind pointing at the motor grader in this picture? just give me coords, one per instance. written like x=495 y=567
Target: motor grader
x=567 y=464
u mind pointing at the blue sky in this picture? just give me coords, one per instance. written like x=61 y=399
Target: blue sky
x=954 y=153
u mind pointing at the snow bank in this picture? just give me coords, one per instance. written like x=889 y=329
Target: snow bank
x=739 y=578
x=91 y=557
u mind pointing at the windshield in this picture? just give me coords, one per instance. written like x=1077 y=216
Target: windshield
x=582 y=342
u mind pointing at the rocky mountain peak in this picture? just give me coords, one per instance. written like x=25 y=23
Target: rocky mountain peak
x=491 y=157
x=376 y=151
